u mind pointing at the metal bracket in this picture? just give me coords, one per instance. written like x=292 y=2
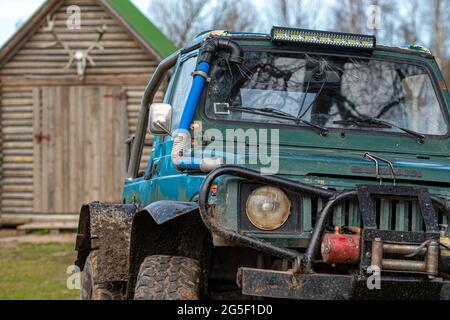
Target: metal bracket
x=41 y=137
x=202 y=74
x=121 y=96
x=376 y=159
x=368 y=211
x=376 y=241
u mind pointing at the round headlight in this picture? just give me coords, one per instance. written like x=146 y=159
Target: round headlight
x=268 y=208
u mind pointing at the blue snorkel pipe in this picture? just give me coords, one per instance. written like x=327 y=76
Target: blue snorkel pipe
x=194 y=95
x=181 y=143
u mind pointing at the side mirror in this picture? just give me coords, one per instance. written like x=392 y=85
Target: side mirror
x=160 y=119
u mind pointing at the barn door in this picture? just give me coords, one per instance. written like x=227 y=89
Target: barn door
x=79 y=149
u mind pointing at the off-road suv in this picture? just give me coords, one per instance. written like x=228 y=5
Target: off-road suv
x=301 y=164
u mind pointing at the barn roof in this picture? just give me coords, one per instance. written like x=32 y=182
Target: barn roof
x=147 y=30
x=150 y=37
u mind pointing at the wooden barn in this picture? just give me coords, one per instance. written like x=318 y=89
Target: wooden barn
x=71 y=81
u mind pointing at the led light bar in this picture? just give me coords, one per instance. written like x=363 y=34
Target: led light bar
x=312 y=37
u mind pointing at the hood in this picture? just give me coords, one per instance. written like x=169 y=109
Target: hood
x=353 y=164
x=342 y=169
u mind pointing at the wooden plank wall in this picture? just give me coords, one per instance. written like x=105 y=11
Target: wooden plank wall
x=1 y=161
x=39 y=64
x=17 y=149
x=83 y=159
x=134 y=97
x=19 y=115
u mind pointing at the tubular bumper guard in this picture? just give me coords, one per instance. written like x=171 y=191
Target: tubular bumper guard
x=304 y=263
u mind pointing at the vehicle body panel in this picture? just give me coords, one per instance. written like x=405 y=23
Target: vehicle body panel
x=334 y=166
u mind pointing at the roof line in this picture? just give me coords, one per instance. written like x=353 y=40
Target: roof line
x=142 y=27
x=15 y=42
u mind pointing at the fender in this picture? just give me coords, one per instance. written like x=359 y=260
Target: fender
x=163 y=211
x=107 y=228
x=166 y=228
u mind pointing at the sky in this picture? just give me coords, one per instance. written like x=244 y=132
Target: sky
x=14 y=12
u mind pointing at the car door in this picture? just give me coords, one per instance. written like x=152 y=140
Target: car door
x=170 y=182
x=147 y=189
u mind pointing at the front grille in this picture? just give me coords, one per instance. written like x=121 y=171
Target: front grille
x=392 y=214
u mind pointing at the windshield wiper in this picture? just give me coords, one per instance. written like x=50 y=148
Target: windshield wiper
x=280 y=115
x=366 y=123
x=371 y=122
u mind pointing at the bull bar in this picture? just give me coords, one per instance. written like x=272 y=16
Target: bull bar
x=302 y=272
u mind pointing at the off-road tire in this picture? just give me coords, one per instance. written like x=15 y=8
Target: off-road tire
x=445 y=293
x=103 y=291
x=168 y=278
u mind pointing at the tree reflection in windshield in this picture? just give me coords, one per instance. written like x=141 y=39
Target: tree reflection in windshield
x=326 y=89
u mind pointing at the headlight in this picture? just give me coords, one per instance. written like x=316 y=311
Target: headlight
x=268 y=208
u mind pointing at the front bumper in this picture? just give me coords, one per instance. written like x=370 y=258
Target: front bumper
x=303 y=263
x=287 y=285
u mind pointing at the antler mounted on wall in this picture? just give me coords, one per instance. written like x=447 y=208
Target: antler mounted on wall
x=80 y=57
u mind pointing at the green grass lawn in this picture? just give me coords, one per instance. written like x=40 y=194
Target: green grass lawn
x=36 y=272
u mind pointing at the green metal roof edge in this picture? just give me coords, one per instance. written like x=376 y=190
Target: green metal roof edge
x=142 y=25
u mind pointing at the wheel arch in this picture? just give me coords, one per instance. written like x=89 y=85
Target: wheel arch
x=168 y=229
x=125 y=235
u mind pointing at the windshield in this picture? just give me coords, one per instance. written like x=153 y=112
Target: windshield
x=327 y=91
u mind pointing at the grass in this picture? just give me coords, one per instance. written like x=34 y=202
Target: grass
x=36 y=272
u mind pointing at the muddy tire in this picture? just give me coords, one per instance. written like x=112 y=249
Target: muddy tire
x=445 y=293
x=168 y=278
x=103 y=291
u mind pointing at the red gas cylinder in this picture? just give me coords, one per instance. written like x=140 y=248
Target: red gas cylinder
x=341 y=248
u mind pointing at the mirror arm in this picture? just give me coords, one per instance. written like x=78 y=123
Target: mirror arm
x=129 y=144
x=160 y=125
x=141 y=129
